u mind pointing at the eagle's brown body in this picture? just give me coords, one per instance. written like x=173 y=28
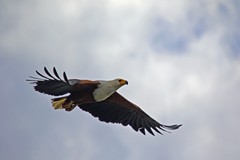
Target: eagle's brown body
x=100 y=98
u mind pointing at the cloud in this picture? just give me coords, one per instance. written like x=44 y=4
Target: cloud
x=181 y=61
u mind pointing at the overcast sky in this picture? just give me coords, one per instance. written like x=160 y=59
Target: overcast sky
x=181 y=58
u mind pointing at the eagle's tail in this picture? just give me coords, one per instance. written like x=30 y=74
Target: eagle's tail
x=63 y=103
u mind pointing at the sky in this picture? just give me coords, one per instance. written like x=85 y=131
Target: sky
x=181 y=59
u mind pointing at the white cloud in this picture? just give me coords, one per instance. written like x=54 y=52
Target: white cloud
x=196 y=84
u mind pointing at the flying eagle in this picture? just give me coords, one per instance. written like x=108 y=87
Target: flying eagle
x=99 y=98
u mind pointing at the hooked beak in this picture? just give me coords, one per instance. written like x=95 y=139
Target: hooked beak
x=123 y=82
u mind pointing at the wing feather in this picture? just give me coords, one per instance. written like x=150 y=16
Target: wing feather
x=148 y=127
x=51 y=85
x=56 y=74
x=43 y=75
x=46 y=71
x=65 y=77
x=56 y=86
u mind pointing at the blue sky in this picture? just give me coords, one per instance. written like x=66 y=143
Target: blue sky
x=181 y=60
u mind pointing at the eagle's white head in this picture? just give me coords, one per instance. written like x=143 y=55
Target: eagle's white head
x=107 y=88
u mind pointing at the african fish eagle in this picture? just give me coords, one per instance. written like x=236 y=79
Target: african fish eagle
x=99 y=98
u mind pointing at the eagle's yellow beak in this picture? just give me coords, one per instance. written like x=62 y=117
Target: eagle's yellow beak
x=123 y=82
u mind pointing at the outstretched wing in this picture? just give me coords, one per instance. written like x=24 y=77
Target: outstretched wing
x=117 y=109
x=55 y=85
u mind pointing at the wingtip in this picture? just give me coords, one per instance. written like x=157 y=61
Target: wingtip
x=172 y=127
x=177 y=126
x=142 y=130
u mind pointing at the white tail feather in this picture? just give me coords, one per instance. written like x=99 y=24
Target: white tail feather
x=58 y=103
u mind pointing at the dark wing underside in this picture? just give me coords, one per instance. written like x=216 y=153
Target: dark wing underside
x=116 y=109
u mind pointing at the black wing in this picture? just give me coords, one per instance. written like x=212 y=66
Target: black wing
x=116 y=109
x=52 y=85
